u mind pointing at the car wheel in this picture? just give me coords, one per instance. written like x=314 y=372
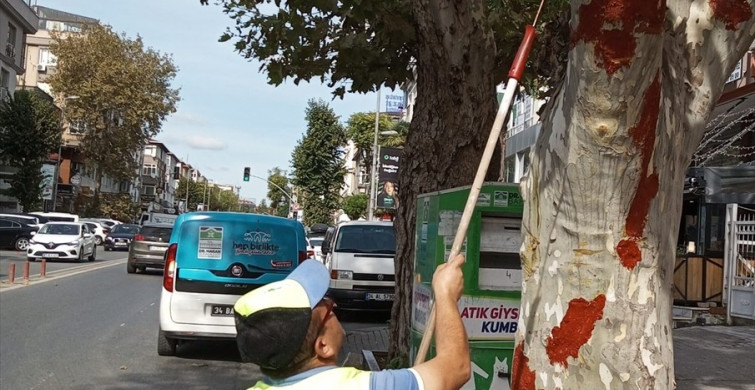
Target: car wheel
x=166 y=346
x=22 y=243
x=93 y=256
x=97 y=240
x=107 y=248
x=130 y=268
x=81 y=254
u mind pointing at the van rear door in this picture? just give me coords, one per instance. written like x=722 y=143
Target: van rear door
x=235 y=255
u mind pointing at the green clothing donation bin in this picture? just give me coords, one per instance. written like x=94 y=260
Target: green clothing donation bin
x=489 y=306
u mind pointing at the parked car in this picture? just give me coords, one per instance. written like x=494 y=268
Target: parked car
x=63 y=240
x=360 y=258
x=148 y=247
x=315 y=245
x=23 y=219
x=108 y=223
x=99 y=231
x=212 y=260
x=14 y=234
x=120 y=236
x=57 y=217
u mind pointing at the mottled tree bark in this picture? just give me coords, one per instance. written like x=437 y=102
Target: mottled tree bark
x=603 y=195
x=453 y=115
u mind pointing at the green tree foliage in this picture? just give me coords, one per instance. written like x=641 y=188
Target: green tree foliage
x=120 y=207
x=224 y=200
x=123 y=95
x=360 y=128
x=263 y=208
x=355 y=206
x=29 y=132
x=362 y=44
x=318 y=164
x=196 y=193
x=279 y=200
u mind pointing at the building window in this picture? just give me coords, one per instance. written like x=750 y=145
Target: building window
x=510 y=169
x=150 y=151
x=46 y=58
x=521 y=114
x=4 y=84
x=148 y=190
x=10 y=45
x=149 y=170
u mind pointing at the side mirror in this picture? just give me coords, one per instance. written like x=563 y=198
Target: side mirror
x=87 y=235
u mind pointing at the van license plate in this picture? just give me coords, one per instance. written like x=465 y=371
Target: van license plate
x=379 y=297
x=221 y=310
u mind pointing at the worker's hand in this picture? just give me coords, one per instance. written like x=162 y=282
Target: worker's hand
x=448 y=280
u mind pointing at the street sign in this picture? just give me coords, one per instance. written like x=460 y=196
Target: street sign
x=76 y=179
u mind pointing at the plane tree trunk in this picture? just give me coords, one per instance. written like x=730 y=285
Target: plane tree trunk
x=453 y=115
x=603 y=195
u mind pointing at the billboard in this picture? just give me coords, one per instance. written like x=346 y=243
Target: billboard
x=394 y=104
x=48 y=184
x=389 y=161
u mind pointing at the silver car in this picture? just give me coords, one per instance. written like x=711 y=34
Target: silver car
x=148 y=247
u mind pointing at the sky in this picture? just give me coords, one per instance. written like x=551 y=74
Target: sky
x=229 y=117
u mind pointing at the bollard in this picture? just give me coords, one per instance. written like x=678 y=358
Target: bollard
x=12 y=273
x=43 y=270
x=26 y=272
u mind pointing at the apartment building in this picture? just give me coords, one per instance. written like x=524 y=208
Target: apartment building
x=17 y=19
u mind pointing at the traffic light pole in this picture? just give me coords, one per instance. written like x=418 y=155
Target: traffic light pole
x=290 y=200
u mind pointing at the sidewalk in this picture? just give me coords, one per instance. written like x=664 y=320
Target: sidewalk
x=706 y=357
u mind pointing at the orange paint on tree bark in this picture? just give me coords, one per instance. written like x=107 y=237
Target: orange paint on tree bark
x=643 y=135
x=611 y=25
x=523 y=378
x=731 y=12
x=575 y=329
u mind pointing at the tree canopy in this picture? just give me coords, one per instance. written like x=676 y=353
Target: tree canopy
x=29 y=132
x=354 y=46
x=122 y=93
x=279 y=201
x=318 y=164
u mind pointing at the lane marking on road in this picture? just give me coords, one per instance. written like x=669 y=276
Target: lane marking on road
x=62 y=273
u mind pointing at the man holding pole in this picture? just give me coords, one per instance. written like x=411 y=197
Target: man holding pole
x=288 y=329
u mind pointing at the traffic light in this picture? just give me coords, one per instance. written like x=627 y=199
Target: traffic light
x=247 y=173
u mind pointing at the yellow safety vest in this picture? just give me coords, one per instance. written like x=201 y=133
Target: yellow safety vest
x=335 y=378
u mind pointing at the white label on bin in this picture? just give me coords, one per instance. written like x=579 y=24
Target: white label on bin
x=487 y=318
x=420 y=306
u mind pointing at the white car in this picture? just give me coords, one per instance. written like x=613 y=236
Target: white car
x=98 y=229
x=315 y=245
x=63 y=240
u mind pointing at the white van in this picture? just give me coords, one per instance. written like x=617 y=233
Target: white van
x=360 y=258
x=58 y=217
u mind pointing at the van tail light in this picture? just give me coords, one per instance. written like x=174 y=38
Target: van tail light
x=138 y=237
x=310 y=254
x=303 y=256
x=169 y=273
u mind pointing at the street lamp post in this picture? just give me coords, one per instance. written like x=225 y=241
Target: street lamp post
x=60 y=152
x=373 y=182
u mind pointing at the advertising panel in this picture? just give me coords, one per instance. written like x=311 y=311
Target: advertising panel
x=389 y=160
x=394 y=104
x=48 y=173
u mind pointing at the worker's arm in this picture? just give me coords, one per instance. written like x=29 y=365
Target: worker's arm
x=450 y=368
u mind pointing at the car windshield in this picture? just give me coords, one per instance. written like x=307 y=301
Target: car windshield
x=60 y=229
x=125 y=229
x=366 y=239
